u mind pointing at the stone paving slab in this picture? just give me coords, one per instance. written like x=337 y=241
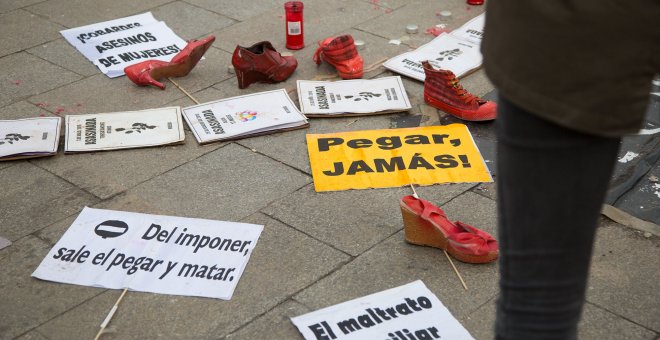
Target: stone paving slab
x=97 y=172
x=264 y=284
x=596 y=323
x=424 y=14
x=22 y=30
x=184 y=19
x=34 y=198
x=32 y=335
x=332 y=217
x=322 y=19
x=10 y=5
x=27 y=302
x=227 y=184
x=241 y=10
x=276 y=324
x=61 y=53
x=23 y=75
x=624 y=274
x=22 y=109
x=100 y=94
x=74 y=13
x=393 y=263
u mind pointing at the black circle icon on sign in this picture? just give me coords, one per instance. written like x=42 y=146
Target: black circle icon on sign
x=111 y=228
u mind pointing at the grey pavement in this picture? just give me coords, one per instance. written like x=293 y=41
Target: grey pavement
x=317 y=249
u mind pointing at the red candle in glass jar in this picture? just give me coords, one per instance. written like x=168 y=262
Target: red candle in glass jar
x=294 y=25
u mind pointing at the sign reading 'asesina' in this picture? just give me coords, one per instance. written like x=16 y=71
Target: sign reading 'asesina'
x=395 y=157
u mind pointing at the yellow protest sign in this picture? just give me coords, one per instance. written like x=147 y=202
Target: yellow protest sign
x=395 y=157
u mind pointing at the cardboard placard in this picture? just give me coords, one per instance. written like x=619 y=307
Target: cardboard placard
x=151 y=253
x=395 y=157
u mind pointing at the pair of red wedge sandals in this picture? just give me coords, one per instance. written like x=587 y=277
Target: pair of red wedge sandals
x=427 y=225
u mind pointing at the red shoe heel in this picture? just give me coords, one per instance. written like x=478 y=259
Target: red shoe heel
x=245 y=78
x=141 y=73
x=148 y=72
x=417 y=230
x=427 y=225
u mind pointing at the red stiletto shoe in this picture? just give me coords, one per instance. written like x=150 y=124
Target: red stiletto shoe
x=427 y=225
x=149 y=71
x=261 y=63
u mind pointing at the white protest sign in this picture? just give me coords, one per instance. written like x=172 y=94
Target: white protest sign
x=473 y=30
x=80 y=35
x=123 y=130
x=408 y=312
x=458 y=51
x=30 y=137
x=445 y=51
x=116 y=44
x=151 y=253
x=242 y=116
x=380 y=95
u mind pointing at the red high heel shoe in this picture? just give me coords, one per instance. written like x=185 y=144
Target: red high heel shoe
x=149 y=71
x=427 y=225
x=261 y=63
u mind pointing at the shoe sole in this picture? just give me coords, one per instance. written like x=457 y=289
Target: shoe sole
x=452 y=111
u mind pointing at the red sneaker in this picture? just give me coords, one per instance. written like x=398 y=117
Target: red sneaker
x=341 y=53
x=442 y=91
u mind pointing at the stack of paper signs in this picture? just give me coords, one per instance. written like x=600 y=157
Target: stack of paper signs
x=27 y=138
x=124 y=130
x=352 y=97
x=457 y=51
x=243 y=116
x=113 y=45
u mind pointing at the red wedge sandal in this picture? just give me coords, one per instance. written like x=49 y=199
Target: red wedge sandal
x=427 y=225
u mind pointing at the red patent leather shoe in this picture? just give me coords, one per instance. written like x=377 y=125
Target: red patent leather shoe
x=261 y=63
x=341 y=53
x=149 y=72
x=442 y=91
x=427 y=225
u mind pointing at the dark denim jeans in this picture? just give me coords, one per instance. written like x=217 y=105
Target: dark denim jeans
x=551 y=183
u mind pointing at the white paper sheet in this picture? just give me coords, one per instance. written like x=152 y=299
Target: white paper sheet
x=123 y=130
x=151 y=253
x=407 y=312
x=242 y=116
x=115 y=44
x=458 y=51
x=30 y=137
x=472 y=31
x=385 y=94
x=445 y=52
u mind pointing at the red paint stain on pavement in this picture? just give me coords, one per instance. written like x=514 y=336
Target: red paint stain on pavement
x=436 y=31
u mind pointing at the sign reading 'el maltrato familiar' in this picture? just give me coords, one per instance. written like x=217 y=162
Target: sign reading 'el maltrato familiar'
x=151 y=253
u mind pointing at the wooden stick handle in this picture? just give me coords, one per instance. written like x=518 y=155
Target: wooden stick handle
x=107 y=319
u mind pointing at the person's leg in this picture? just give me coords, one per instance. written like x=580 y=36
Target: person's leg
x=551 y=183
